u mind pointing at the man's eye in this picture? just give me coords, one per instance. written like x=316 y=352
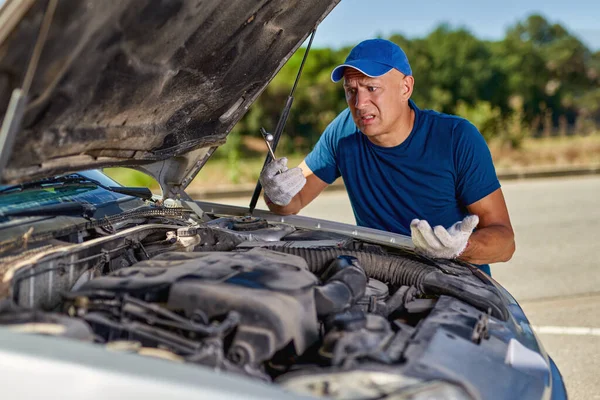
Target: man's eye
x=351 y=91
x=371 y=88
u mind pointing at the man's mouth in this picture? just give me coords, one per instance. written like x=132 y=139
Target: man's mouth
x=365 y=119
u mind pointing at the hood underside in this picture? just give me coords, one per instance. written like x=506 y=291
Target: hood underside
x=132 y=82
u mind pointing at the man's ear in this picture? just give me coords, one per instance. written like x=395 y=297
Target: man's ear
x=408 y=83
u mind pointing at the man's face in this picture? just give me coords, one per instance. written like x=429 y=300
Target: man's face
x=376 y=103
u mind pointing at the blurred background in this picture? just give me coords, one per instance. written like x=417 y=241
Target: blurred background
x=527 y=74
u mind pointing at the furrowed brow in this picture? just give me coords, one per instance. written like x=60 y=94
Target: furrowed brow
x=365 y=82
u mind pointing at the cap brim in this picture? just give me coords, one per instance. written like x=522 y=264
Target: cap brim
x=367 y=67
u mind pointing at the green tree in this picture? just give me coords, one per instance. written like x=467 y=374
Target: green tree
x=563 y=82
x=537 y=75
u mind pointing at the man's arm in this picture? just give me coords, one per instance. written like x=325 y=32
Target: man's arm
x=494 y=239
x=313 y=187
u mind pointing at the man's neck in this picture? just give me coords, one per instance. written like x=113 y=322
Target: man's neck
x=399 y=134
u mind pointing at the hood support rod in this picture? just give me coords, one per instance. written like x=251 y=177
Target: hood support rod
x=16 y=108
x=281 y=124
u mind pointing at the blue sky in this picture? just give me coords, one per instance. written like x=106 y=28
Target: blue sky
x=354 y=20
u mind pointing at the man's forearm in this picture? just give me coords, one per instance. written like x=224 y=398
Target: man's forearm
x=293 y=207
x=491 y=244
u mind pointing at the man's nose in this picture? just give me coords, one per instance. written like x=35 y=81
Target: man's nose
x=361 y=99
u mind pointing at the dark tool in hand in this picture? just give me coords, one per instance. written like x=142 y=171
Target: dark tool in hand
x=272 y=144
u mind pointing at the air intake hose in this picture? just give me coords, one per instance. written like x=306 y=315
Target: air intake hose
x=399 y=271
x=383 y=267
x=345 y=284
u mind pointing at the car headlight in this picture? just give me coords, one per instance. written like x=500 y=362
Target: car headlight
x=361 y=384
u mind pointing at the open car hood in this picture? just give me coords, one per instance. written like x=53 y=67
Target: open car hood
x=155 y=84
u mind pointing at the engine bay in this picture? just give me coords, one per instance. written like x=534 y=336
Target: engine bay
x=243 y=295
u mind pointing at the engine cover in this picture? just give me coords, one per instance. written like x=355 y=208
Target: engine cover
x=272 y=291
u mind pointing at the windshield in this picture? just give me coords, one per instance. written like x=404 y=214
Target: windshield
x=48 y=193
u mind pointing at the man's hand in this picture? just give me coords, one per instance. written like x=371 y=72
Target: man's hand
x=439 y=242
x=280 y=183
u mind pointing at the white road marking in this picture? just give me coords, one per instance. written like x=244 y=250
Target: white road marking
x=567 y=330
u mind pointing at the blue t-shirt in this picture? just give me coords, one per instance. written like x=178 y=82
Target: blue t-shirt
x=443 y=166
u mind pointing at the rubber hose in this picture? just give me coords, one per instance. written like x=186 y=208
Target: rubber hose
x=397 y=300
x=383 y=267
x=345 y=284
x=399 y=271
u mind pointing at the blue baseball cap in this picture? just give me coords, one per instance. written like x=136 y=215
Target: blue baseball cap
x=374 y=57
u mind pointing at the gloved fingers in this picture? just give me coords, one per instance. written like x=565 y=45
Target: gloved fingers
x=282 y=163
x=279 y=195
x=283 y=187
x=416 y=235
x=414 y=223
x=444 y=236
x=469 y=223
x=298 y=183
x=421 y=244
x=289 y=178
x=274 y=167
x=428 y=235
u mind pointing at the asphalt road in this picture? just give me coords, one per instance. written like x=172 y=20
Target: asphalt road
x=554 y=273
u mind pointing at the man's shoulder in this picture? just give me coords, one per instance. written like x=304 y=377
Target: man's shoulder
x=451 y=131
x=450 y=120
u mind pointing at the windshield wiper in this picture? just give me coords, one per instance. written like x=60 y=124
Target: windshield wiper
x=140 y=192
x=69 y=208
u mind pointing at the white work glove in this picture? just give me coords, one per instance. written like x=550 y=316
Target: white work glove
x=281 y=188
x=439 y=242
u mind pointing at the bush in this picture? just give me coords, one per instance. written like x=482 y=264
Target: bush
x=131 y=177
x=484 y=116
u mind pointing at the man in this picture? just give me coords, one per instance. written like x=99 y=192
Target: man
x=406 y=170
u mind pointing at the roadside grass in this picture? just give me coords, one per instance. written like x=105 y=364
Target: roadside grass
x=550 y=151
x=222 y=173
x=217 y=173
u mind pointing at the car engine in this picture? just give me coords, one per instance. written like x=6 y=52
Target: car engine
x=242 y=295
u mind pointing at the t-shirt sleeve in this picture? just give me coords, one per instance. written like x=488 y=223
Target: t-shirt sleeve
x=322 y=159
x=475 y=172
